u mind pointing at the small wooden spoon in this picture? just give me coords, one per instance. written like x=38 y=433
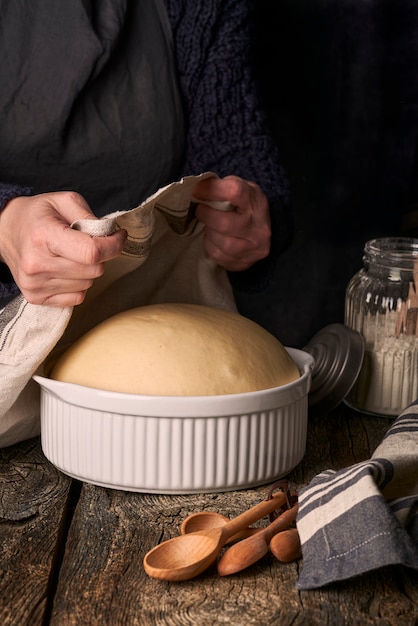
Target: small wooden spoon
x=250 y=550
x=210 y=519
x=186 y=556
x=285 y=546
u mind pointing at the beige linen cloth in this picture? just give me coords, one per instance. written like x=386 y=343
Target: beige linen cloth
x=163 y=261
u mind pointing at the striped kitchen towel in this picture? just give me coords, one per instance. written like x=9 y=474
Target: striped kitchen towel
x=365 y=516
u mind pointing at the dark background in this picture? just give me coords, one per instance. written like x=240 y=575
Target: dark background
x=339 y=79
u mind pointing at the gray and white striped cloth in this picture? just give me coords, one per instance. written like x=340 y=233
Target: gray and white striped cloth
x=365 y=516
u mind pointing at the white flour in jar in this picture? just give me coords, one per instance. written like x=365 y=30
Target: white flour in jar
x=388 y=381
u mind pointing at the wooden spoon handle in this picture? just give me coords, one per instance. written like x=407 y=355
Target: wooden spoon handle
x=281 y=523
x=244 y=534
x=253 y=515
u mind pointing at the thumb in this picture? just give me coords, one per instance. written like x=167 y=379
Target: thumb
x=71 y=206
x=75 y=210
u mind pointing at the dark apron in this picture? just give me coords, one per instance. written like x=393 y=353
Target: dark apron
x=89 y=99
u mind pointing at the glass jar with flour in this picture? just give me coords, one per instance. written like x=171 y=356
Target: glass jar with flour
x=382 y=304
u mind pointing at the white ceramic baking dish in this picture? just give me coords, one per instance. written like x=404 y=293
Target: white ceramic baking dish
x=160 y=444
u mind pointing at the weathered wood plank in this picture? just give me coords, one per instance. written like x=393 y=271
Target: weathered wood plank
x=33 y=500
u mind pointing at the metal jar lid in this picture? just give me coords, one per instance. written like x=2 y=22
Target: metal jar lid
x=338 y=352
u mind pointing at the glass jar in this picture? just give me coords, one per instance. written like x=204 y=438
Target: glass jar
x=382 y=305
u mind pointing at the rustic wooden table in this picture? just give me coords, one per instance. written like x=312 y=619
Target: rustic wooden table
x=71 y=553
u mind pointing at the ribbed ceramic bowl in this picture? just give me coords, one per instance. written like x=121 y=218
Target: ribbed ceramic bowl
x=159 y=444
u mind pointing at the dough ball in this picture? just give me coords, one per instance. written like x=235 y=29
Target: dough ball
x=177 y=350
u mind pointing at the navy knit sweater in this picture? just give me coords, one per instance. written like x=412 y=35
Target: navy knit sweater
x=227 y=131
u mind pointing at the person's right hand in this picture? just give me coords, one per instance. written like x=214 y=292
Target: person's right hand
x=52 y=263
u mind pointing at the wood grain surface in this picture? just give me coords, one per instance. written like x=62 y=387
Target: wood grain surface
x=71 y=552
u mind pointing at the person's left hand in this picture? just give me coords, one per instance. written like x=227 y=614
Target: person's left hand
x=234 y=239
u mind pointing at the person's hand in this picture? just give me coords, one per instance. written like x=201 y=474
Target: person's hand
x=52 y=263
x=235 y=239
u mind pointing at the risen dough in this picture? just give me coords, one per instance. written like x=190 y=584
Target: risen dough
x=177 y=350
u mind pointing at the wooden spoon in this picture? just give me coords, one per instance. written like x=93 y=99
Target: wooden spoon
x=248 y=551
x=285 y=546
x=210 y=519
x=187 y=556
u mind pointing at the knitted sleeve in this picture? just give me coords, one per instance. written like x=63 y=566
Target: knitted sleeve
x=227 y=129
x=9 y=191
x=8 y=288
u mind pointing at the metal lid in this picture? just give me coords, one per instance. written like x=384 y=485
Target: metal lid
x=338 y=352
